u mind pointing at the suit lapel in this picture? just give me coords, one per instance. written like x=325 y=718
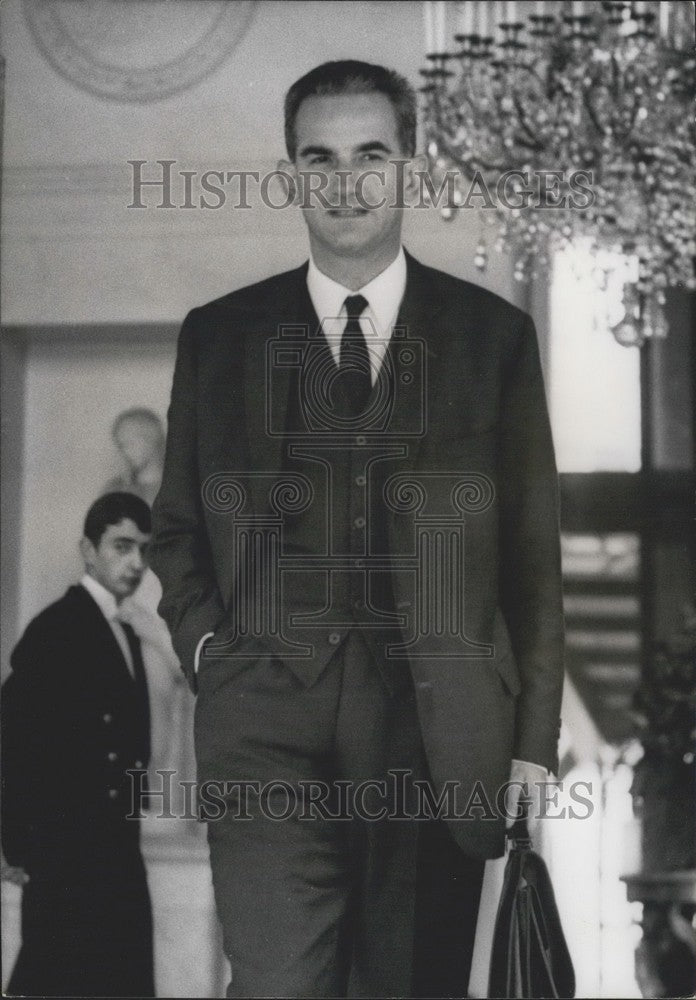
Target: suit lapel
x=419 y=324
x=266 y=384
x=108 y=669
x=98 y=631
x=415 y=331
x=140 y=687
x=262 y=447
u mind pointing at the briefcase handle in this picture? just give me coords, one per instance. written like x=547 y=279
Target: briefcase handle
x=518 y=834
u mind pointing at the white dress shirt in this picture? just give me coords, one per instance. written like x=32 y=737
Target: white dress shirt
x=109 y=608
x=384 y=294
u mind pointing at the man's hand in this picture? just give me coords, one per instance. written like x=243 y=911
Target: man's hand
x=10 y=873
x=527 y=791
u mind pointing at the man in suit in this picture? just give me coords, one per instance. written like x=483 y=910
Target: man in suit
x=357 y=537
x=75 y=718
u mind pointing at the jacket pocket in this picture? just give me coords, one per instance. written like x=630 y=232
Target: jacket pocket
x=504 y=657
x=509 y=674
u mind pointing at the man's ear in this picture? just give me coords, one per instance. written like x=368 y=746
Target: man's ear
x=415 y=167
x=290 y=181
x=87 y=552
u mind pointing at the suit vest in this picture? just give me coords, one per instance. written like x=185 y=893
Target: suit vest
x=332 y=583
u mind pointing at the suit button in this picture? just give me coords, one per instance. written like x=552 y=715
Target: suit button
x=112 y=757
x=359 y=522
x=334 y=638
x=138 y=764
x=113 y=793
x=360 y=480
x=107 y=717
x=361 y=440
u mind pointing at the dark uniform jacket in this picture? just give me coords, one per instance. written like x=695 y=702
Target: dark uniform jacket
x=73 y=721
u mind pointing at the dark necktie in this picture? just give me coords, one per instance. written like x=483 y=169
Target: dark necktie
x=135 y=649
x=141 y=735
x=354 y=365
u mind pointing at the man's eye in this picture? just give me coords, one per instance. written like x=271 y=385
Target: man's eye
x=373 y=157
x=316 y=161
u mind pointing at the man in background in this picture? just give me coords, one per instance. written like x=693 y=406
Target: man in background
x=357 y=538
x=75 y=718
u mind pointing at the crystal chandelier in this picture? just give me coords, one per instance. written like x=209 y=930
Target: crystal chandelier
x=577 y=126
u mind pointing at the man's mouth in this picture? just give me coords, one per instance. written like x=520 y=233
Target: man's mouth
x=348 y=213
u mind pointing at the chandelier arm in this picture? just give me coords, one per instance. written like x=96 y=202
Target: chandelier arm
x=591 y=112
x=467 y=99
x=472 y=108
x=684 y=156
x=535 y=143
x=620 y=96
x=634 y=114
x=614 y=89
x=483 y=165
x=621 y=129
x=465 y=168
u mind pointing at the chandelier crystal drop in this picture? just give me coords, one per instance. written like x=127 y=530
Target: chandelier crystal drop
x=577 y=126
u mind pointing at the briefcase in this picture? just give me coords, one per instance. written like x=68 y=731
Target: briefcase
x=530 y=957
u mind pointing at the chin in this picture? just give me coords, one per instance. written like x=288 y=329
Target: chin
x=351 y=243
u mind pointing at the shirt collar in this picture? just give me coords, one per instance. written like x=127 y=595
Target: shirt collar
x=383 y=293
x=106 y=601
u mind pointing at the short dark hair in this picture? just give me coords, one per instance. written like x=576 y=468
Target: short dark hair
x=349 y=76
x=113 y=508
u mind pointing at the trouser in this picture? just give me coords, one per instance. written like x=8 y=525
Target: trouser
x=340 y=897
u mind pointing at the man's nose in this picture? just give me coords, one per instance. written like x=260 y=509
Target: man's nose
x=343 y=182
x=137 y=560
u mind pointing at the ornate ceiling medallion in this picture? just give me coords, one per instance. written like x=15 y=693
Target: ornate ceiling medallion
x=106 y=47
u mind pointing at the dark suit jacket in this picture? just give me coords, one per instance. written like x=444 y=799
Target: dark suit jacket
x=73 y=721
x=486 y=419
